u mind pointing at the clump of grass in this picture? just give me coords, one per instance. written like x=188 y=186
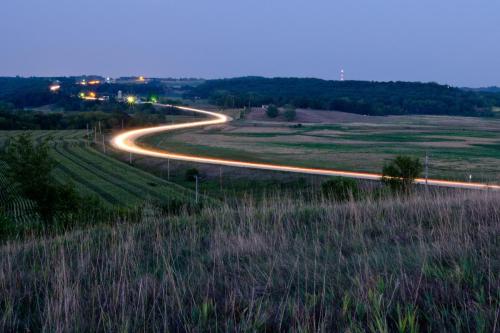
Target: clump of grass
x=415 y=263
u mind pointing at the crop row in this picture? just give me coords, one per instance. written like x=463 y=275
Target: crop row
x=79 y=173
x=146 y=182
x=96 y=174
x=38 y=135
x=17 y=207
x=114 y=181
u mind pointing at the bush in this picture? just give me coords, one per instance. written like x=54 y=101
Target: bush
x=191 y=174
x=272 y=111
x=30 y=169
x=340 y=189
x=401 y=173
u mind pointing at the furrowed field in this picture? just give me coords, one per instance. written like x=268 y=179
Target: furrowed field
x=93 y=173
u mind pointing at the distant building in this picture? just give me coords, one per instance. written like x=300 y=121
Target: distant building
x=120 y=95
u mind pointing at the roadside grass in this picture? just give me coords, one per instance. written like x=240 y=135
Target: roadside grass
x=426 y=262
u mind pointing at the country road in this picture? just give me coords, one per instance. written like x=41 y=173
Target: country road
x=126 y=141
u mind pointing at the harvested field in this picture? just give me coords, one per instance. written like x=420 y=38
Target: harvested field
x=457 y=146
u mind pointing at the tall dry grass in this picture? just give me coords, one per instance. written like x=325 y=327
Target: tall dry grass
x=418 y=263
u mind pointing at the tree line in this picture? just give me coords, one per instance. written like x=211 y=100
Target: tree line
x=110 y=115
x=361 y=97
x=34 y=92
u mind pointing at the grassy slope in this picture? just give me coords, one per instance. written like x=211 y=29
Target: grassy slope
x=93 y=173
x=428 y=262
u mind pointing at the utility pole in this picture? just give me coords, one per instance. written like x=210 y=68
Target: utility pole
x=100 y=129
x=130 y=158
x=103 y=145
x=95 y=135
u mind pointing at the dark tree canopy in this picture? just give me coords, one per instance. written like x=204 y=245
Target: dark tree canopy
x=362 y=97
x=29 y=168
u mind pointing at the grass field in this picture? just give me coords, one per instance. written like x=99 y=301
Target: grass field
x=457 y=146
x=426 y=263
x=94 y=173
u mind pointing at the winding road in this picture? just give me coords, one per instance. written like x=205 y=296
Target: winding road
x=126 y=141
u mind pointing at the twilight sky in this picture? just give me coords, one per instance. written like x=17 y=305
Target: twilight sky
x=447 y=41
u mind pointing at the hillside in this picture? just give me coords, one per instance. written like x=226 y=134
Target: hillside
x=114 y=184
x=362 y=97
x=407 y=264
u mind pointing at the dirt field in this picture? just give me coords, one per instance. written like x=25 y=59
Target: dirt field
x=457 y=146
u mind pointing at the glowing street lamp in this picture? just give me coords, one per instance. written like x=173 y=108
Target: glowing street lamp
x=131 y=99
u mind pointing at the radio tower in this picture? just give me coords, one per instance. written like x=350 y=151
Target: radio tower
x=342 y=75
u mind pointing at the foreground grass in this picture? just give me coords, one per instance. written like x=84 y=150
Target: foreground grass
x=405 y=264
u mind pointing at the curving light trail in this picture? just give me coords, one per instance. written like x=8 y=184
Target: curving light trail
x=126 y=141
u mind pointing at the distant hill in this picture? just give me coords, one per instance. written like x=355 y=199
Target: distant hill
x=361 y=97
x=485 y=89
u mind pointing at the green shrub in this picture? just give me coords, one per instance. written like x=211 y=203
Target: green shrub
x=340 y=189
x=401 y=173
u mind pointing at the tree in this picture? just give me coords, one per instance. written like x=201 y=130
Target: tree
x=401 y=173
x=290 y=113
x=340 y=189
x=29 y=168
x=272 y=111
x=30 y=165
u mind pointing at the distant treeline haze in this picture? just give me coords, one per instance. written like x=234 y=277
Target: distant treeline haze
x=362 y=97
